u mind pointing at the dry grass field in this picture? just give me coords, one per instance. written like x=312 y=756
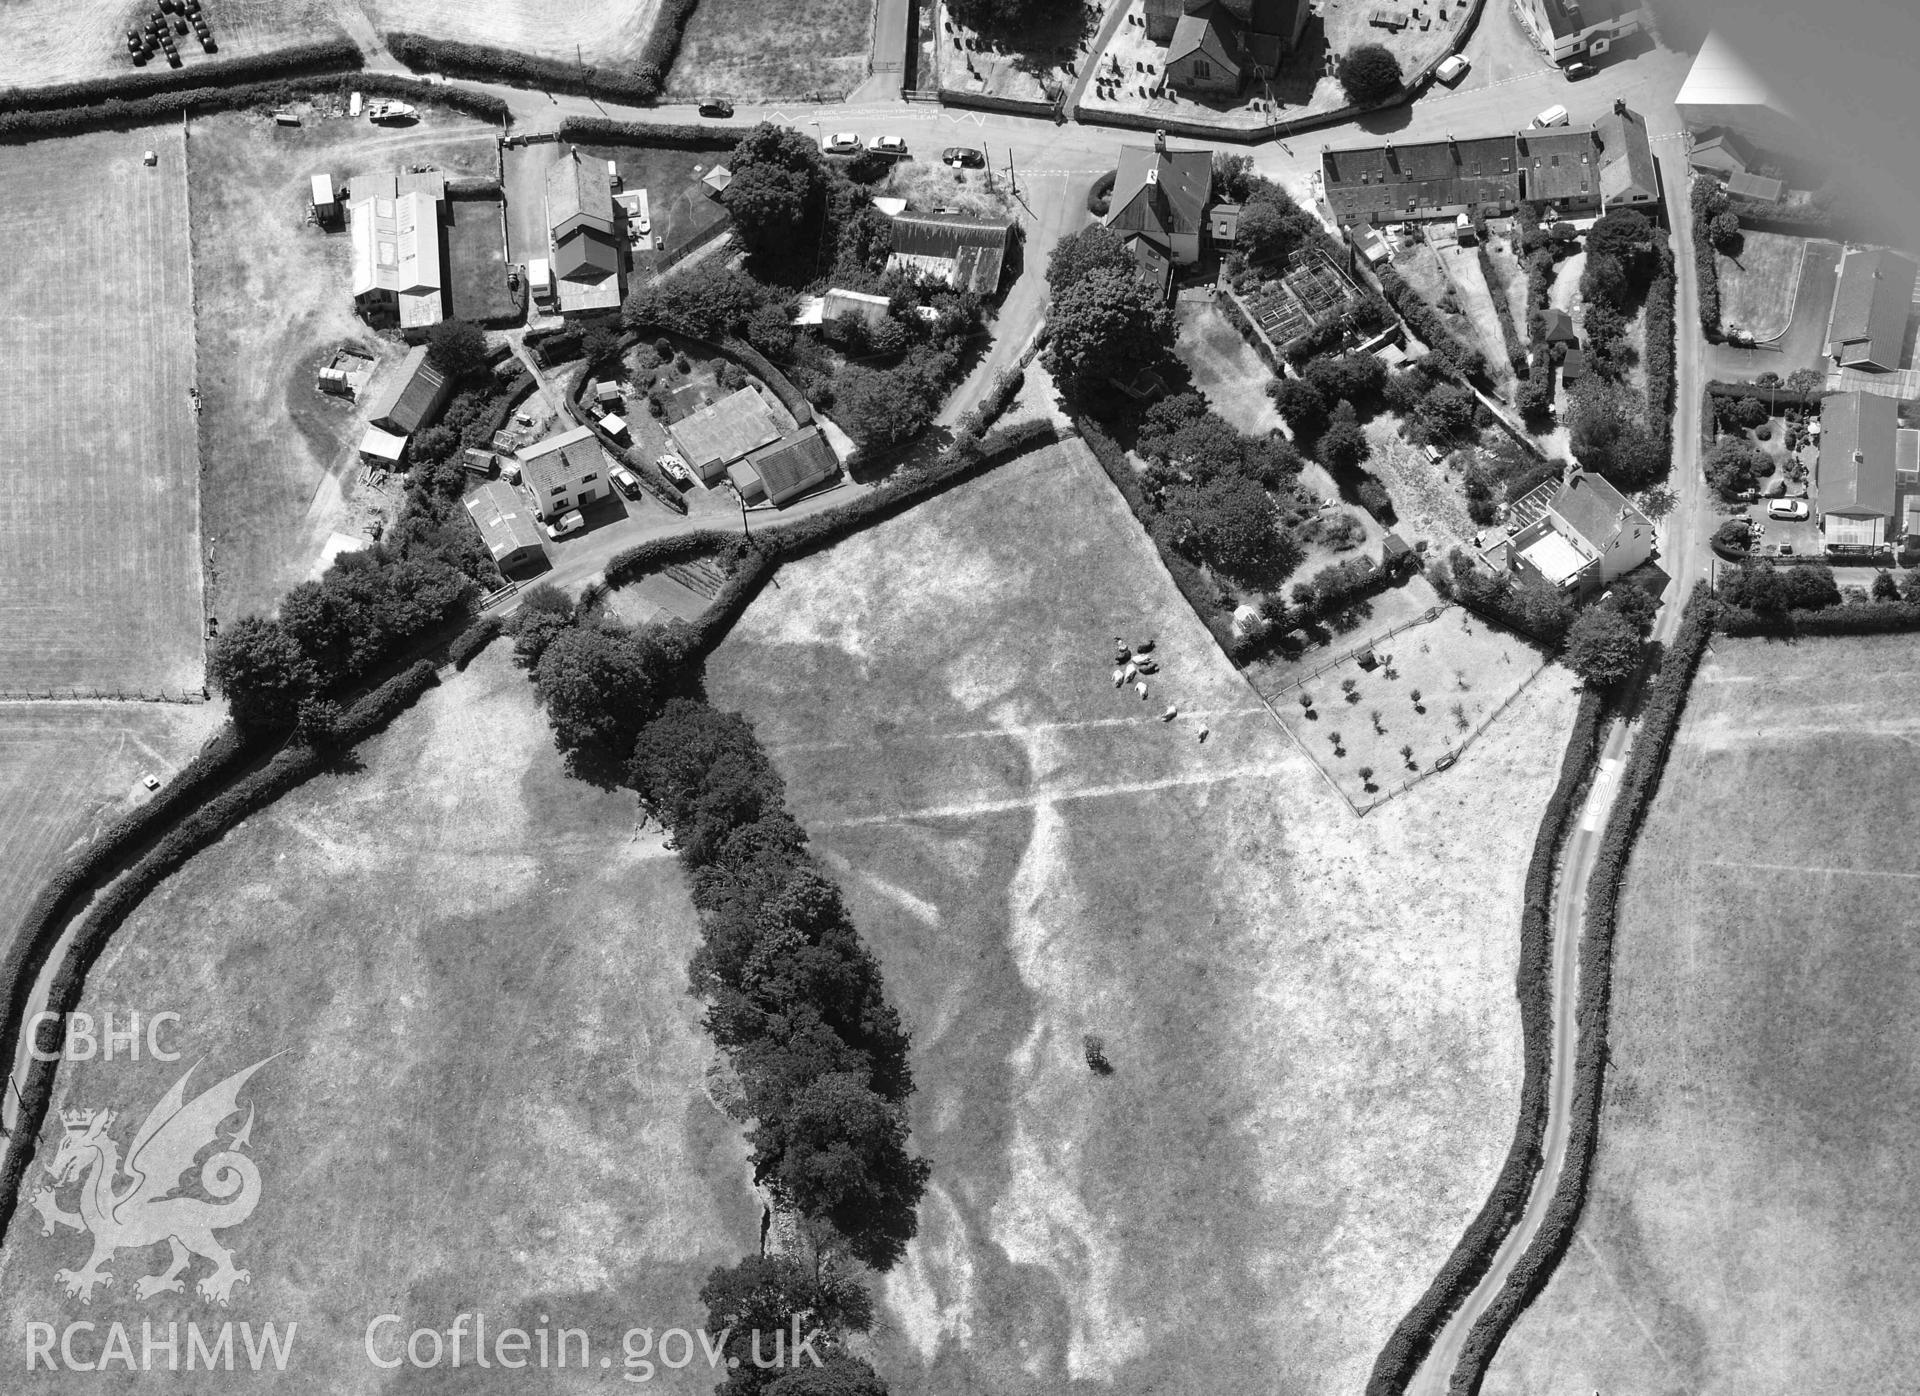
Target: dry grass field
x=489 y=1094
x=600 y=31
x=1309 y=1015
x=755 y=51
x=274 y=304
x=1751 y=1220
x=99 y=551
x=53 y=41
x=69 y=769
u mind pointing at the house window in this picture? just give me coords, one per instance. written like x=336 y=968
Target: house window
x=585 y=478
x=558 y=489
x=1201 y=69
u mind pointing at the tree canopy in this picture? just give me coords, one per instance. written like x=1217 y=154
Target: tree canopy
x=458 y=348
x=1077 y=255
x=1109 y=324
x=1369 y=73
x=778 y=188
x=1603 y=646
x=1232 y=524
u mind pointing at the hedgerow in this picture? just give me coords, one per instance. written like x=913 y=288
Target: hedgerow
x=469 y=642
x=1660 y=720
x=1447 y=348
x=461 y=59
x=314 y=58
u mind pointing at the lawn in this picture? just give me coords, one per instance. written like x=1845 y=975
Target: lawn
x=67 y=770
x=1750 y=1222
x=274 y=304
x=53 y=41
x=100 y=587
x=755 y=51
x=1309 y=1015
x=610 y=32
x=1758 y=288
x=680 y=207
x=487 y=1092
x=476 y=257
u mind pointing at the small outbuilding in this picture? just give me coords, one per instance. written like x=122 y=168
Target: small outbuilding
x=326 y=200
x=382 y=448
x=507 y=525
x=716 y=180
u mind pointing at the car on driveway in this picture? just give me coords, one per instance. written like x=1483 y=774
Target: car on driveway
x=570 y=522
x=842 y=143
x=721 y=107
x=895 y=146
x=1452 y=70
x=963 y=157
x=629 y=483
x=1787 y=509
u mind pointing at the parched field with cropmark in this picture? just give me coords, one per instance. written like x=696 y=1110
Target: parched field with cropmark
x=1309 y=1016
x=597 y=31
x=54 y=41
x=67 y=770
x=756 y=51
x=1750 y=1222
x=484 y=1088
x=275 y=303
x=99 y=542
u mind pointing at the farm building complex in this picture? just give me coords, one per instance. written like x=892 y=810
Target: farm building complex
x=410 y=397
x=966 y=251
x=716 y=435
x=585 y=237
x=786 y=469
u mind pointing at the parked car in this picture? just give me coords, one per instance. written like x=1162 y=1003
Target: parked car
x=1787 y=509
x=1577 y=71
x=895 y=146
x=625 y=479
x=1555 y=115
x=842 y=143
x=676 y=470
x=963 y=157
x=570 y=522
x=720 y=107
x=1452 y=70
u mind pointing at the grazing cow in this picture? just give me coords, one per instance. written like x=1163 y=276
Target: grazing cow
x=1141 y=689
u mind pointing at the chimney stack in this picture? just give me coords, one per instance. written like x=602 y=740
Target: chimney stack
x=1619 y=106
x=1160 y=141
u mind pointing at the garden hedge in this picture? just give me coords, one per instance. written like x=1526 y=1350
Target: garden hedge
x=117 y=112
x=1706 y=268
x=1413 y=1339
x=1853 y=618
x=135 y=83
x=663 y=135
x=469 y=642
x=460 y=59
x=1429 y=328
x=1502 y=305
x=1660 y=338
x=204 y=817
x=1639 y=780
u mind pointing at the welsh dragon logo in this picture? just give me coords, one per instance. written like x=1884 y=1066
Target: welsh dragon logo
x=143 y=1211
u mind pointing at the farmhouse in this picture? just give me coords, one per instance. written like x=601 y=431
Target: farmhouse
x=1160 y=200
x=1870 y=309
x=1216 y=45
x=398 y=269
x=563 y=472
x=1578 y=534
x=1424 y=179
x=584 y=235
x=715 y=436
x=964 y=250
x=786 y=469
x=507 y=525
x=1855 y=479
x=411 y=396
x=1578 y=28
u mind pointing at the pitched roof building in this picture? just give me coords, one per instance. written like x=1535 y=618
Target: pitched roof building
x=507 y=525
x=787 y=468
x=394 y=225
x=715 y=436
x=411 y=396
x=1248 y=37
x=1870 y=309
x=564 y=472
x=965 y=250
x=1560 y=166
x=1579 y=534
x=1424 y=179
x=1856 y=474
x=584 y=232
x=1573 y=28
x=1161 y=197
x=1629 y=178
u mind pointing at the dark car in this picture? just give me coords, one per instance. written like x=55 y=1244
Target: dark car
x=717 y=106
x=1576 y=70
x=963 y=157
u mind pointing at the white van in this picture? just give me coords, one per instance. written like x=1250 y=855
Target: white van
x=1555 y=115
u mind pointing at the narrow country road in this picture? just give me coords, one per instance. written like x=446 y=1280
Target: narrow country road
x=1684 y=558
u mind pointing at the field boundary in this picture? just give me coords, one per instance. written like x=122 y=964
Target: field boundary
x=1639 y=782
x=1432 y=613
